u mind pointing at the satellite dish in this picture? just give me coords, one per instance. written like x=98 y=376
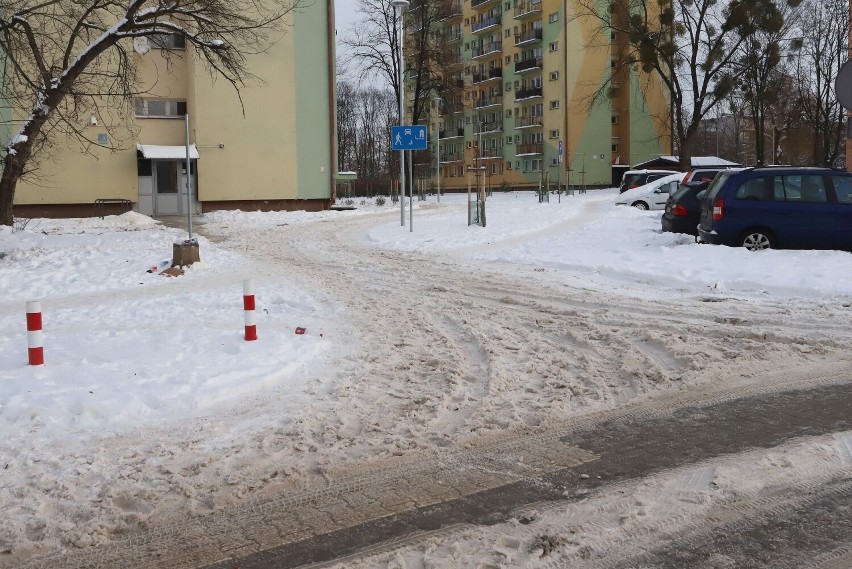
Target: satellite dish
x=843 y=85
x=141 y=45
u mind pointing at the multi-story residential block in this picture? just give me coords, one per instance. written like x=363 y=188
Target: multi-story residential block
x=528 y=71
x=270 y=147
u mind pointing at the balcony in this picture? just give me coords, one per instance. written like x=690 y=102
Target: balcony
x=489 y=154
x=479 y=4
x=496 y=73
x=527 y=8
x=487 y=49
x=452 y=35
x=527 y=122
x=452 y=133
x=422 y=157
x=491 y=101
x=454 y=157
x=529 y=149
x=486 y=24
x=487 y=127
x=529 y=93
x=528 y=65
x=453 y=11
x=528 y=36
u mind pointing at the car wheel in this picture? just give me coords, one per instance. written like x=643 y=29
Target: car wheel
x=640 y=205
x=757 y=240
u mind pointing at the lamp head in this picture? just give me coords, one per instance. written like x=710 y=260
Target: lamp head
x=400 y=4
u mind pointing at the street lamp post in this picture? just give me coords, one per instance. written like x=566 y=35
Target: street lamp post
x=437 y=101
x=399 y=6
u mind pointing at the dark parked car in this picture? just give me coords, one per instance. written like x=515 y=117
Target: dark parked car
x=683 y=209
x=784 y=207
x=636 y=178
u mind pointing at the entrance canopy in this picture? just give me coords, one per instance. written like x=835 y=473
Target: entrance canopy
x=156 y=152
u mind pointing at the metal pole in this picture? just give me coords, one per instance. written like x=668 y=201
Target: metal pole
x=438 y=141
x=188 y=185
x=410 y=191
x=399 y=6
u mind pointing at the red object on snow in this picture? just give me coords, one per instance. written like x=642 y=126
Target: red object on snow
x=35 y=336
x=300 y=331
x=248 y=307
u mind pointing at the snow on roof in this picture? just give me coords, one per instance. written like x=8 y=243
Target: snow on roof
x=699 y=161
x=157 y=152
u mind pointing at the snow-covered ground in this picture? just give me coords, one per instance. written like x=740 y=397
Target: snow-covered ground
x=148 y=379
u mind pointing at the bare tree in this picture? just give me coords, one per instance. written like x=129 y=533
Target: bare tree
x=431 y=61
x=687 y=45
x=67 y=59
x=347 y=125
x=757 y=72
x=824 y=28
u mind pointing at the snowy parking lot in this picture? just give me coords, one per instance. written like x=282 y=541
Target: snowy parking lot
x=151 y=406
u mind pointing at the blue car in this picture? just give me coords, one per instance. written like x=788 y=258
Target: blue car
x=778 y=207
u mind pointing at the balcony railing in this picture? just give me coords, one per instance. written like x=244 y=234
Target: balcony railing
x=486 y=127
x=481 y=3
x=451 y=157
x=528 y=64
x=491 y=101
x=453 y=11
x=493 y=47
x=527 y=122
x=496 y=73
x=528 y=36
x=535 y=148
x=529 y=93
x=486 y=23
x=527 y=8
x=453 y=35
x=452 y=133
x=488 y=153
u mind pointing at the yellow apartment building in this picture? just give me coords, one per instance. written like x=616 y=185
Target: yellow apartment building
x=276 y=151
x=528 y=69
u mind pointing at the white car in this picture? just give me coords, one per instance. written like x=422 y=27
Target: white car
x=652 y=195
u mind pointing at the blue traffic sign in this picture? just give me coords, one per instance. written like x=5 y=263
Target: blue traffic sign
x=408 y=137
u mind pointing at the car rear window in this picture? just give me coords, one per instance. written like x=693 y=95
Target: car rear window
x=717 y=184
x=629 y=179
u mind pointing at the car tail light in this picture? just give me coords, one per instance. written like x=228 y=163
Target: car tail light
x=632 y=186
x=678 y=209
x=685 y=178
x=718 y=210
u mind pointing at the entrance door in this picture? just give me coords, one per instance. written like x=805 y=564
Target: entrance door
x=170 y=187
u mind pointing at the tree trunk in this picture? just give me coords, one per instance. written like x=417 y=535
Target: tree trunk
x=12 y=172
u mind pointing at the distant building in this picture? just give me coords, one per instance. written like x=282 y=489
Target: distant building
x=280 y=155
x=527 y=69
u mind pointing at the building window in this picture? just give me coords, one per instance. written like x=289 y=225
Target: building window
x=554 y=17
x=554 y=75
x=508 y=140
x=508 y=165
x=160 y=108
x=554 y=104
x=508 y=33
x=554 y=46
x=554 y=133
x=167 y=41
x=614 y=119
x=615 y=148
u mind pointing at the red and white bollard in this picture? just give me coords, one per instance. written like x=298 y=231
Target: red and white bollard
x=35 y=337
x=248 y=307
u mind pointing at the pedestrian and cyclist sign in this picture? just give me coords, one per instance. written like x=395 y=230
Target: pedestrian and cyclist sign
x=408 y=137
